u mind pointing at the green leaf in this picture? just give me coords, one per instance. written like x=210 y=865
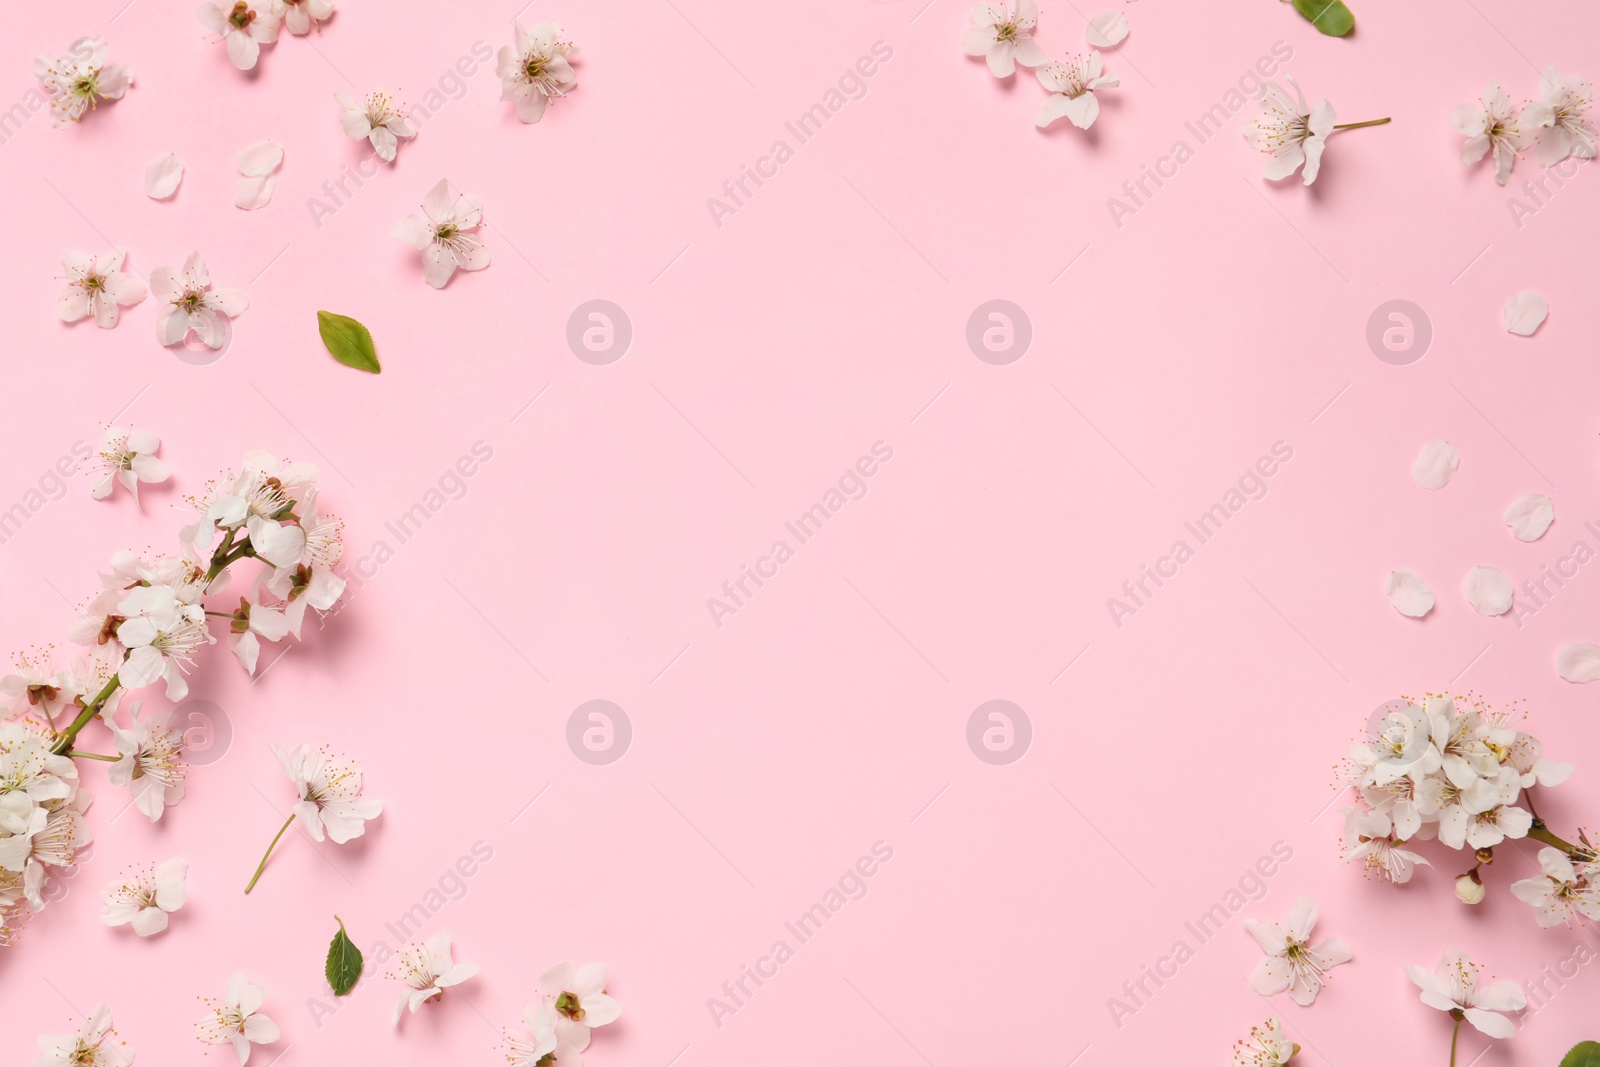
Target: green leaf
x=344 y=962
x=1583 y=1054
x=349 y=341
x=1328 y=16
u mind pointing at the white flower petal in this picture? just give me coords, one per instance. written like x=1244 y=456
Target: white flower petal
x=162 y=175
x=1435 y=465
x=1488 y=591
x=1408 y=593
x=1525 y=312
x=1108 y=29
x=1578 y=661
x=1530 y=516
x=260 y=159
x=253 y=192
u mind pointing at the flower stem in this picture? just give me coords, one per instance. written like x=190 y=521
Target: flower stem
x=90 y=710
x=263 y=866
x=76 y=754
x=1359 y=125
x=1454 y=1034
x=1539 y=832
x=226 y=555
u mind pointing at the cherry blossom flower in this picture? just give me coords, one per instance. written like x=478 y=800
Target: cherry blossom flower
x=1293 y=134
x=300 y=17
x=1071 y=86
x=444 y=233
x=191 y=303
x=149 y=762
x=127 y=457
x=1377 y=848
x=428 y=970
x=579 y=995
x=1498 y=125
x=92 y=1046
x=146 y=897
x=1292 y=962
x=244 y=29
x=161 y=645
x=1004 y=37
x=56 y=845
x=552 y=1041
x=80 y=79
x=97 y=286
x=252 y=622
x=310 y=580
x=1267 y=1046
x=1452 y=987
x=377 y=118
x=535 y=69
x=38 y=683
x=237 y=1020
x=259 y=505
x=1566 y=130
x=329 y=787
x=1565 y=891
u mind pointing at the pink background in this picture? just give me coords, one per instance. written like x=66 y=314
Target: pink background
x=769 y=353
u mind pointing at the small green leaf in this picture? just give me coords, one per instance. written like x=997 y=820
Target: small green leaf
x=1328 y=16
x=1583 y=1054
x=344 y=962
x=349 y=341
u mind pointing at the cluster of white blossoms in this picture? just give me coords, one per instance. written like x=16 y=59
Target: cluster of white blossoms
x=1463 y=777
x=249 y=24
x=572 y=1003
x=145 y=627
x=1555 y=126
x=1003 y=34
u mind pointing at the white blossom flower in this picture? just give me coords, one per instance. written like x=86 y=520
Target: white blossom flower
x=1292 y=962
x=252 y=622
x=428 y=970
x=237 y=1020
x=1293 y=134
x=80 y=79
x=1004 y=37
x=259 y=505
x=1498 y=125
x=191 y=303
x=1377 y=848
x=244 y=28
x=94 y=1045
x=97 y=286
x=146 y=897
x=377 y=118
x=1452 y=986
x=1071 y=86
x=1566 y=129
x=1565 y=890
x=310 y=580
x=56 y=845
x=579 y=995
x=1267 y=1046
x=300 y=17
x=150 y=761
x=552 y=1040
x=535 y=69
x=444 y=233
x=127 y=457
x=329 y=787
x=37 y=683
x=161 y=645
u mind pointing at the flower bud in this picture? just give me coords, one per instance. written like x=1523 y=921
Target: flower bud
x=1469 y=890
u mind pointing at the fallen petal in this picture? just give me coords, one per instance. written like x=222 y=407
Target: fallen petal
x=162 y=175
x=253 y=193
x=1525 y=312
x=260 y=159
x=1108 y=29
x=1530 y=516
x=1488 y=591
x=1408 y=593
x=1435 y=465
x=1578 y=662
